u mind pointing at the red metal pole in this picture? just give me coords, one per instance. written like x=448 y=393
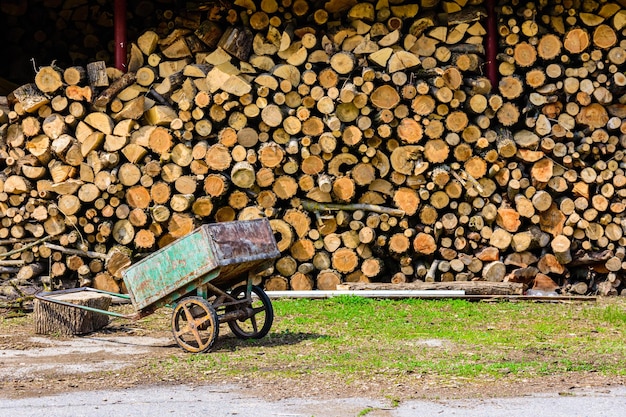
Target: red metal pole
x=492 y=44
x=119 y=25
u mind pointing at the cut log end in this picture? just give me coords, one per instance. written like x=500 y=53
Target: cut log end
x=52 y=318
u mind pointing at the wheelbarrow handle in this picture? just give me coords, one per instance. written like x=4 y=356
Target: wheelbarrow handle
x=47 y=296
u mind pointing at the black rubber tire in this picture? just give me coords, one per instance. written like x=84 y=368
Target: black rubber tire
x=195 y=324
x=262 y=305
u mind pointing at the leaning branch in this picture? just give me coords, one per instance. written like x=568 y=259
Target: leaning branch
x=23 y=248
x=86 y=253
x=315 y=207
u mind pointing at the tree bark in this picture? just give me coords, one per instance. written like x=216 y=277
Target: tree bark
x=51 y=318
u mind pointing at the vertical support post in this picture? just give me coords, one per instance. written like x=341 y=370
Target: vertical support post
x=492 y=44
x=249 y=286
x=202 y=291
x=119 y=24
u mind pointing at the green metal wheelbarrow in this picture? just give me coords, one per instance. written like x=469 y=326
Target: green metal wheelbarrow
x=195 y=275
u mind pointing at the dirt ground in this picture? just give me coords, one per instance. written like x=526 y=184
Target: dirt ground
x=128 y=354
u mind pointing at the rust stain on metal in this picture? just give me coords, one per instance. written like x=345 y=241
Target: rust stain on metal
x=220 y=251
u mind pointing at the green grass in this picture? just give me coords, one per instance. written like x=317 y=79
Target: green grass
x=349 y=337
x=347 y=341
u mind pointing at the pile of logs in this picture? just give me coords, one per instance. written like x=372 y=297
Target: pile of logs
x=367 y=132
x=563 y=86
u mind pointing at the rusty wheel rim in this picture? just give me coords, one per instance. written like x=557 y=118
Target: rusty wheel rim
x=194 y=324
x=259 y=314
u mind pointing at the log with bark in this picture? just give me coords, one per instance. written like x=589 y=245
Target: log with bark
x=470 y=287
x=53 y=318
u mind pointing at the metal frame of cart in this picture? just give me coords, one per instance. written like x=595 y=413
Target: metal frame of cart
x=196 y=274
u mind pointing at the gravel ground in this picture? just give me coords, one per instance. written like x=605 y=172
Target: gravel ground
x=228 y=400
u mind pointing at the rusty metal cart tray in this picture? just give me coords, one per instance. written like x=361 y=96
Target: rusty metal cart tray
x=218 y=253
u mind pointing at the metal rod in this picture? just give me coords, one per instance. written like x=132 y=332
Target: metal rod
x=368 y=293
x=119 y=24
x=92 y=309
x=232 y=315
x=217 y=291
x=491 y=49
x=47 y=297
x=82 y=289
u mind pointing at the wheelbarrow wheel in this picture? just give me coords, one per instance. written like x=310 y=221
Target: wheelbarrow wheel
x=195 y=324
x=259 y=314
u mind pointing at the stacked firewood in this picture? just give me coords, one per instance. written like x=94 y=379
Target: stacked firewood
x=367 y=132
x=562 y=78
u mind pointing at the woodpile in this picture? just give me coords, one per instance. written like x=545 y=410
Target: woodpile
x=366 y=132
